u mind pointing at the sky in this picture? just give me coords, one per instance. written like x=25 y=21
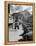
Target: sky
x=19 y=8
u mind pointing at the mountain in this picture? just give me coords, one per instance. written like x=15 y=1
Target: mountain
x=26 y=20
